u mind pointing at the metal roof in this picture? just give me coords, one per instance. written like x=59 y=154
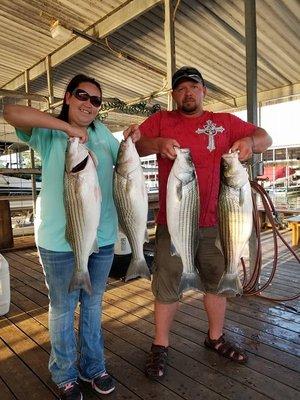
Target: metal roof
x=209 y=34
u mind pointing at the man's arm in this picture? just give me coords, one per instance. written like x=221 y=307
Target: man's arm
x=261 y=140
x=258 y=142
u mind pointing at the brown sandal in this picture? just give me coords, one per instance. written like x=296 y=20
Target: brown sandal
x=226 y=349
x=156 y=364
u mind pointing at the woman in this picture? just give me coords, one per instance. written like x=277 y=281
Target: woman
x=48 y=136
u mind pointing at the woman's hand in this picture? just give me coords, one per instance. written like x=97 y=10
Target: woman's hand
x=81 y=133
x=134 y=132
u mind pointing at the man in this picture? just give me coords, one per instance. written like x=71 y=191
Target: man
x=208 y=135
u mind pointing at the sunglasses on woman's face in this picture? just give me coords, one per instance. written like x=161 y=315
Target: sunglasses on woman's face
x=82 y=95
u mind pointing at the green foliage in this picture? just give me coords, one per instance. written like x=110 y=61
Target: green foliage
x=118 y=105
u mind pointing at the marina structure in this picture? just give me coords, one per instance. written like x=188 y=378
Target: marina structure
x=281 y=169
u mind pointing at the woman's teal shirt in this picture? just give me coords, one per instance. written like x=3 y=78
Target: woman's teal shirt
x=50 y=221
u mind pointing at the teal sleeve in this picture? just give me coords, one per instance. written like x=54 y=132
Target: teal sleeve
x=39 y=140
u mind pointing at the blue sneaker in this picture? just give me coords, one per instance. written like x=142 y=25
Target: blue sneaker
x=71 y=391
x=103 y=384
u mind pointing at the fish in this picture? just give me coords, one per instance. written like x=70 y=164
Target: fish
x=235 y=221
x=82 y=198
x=183 y=208
x=131 y=200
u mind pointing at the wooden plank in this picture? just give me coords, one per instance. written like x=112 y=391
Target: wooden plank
x=128 y=328
x=18 y=377
x=260 y=359
x=218 y=373
x=234 y=327
x=35 y=326
x=178 y=384
x=16 y=266
x=135 y=375
x=6 y=394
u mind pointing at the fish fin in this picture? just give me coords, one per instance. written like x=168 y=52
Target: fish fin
x=67 y=235
x=241 y=196
x=81 y=280
x=173 y=250
x=230 y=284
x=137 y=269
x=146 y=238
x=94 y=158
x=80 y=166
x=129 y=185
x=179 y=191
x=122 y=230
x=190 y=280
x=218 y=243
x=95 y=247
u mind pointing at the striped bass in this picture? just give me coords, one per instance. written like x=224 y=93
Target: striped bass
x=131 y=199
x=183 y=207
x=235 y=220
x=82 y=204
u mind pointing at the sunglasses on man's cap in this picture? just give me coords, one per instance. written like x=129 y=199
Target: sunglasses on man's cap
x=82 y=95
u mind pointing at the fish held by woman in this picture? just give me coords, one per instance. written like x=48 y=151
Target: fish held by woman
x=82 y=196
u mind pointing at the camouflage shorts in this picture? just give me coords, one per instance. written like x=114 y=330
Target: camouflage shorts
x=167 y=269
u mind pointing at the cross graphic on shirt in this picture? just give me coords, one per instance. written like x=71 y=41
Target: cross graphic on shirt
x=210 y=129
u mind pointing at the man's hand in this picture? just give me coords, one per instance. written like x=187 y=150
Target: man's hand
x=244 y=147
x=166 y=147
x=134 y=132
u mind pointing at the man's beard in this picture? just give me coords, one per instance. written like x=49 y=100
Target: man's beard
x=192 y=107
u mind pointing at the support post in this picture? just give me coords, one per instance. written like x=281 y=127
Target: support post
x=170 y=48
x=251 y=72
x=33 y=177
x=49 y=83
x=251 y=79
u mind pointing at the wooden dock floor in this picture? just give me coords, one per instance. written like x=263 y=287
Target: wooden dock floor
x=269 y=332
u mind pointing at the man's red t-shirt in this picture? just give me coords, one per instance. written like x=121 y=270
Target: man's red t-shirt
x=190 y=133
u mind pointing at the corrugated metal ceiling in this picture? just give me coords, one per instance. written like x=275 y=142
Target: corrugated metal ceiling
x=209 y=34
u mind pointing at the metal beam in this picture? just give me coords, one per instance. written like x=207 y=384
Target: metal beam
x=26 y=96
x=170 y=47
x=281 y=93
x=106 y=26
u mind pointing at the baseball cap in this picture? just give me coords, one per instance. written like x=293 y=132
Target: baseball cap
x=187 y=73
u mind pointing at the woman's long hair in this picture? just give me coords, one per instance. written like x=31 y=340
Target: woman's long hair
x=73 y=84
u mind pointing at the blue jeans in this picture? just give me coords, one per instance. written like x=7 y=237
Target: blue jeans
x=64 y=364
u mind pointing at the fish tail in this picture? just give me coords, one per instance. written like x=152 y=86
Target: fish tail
x=230 y=284
x=137 y=268
x=190 y=280
x=81 y=280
